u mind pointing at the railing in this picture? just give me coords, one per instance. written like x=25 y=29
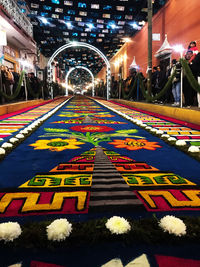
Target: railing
x=18 y=17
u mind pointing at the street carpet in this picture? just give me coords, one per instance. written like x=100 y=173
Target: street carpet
x=91 y=160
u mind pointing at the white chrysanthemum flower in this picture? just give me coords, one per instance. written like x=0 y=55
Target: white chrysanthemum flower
x=2 y=151
x=6 y=145
x=165 y=135
x=148 y=128
x=13 y=140
x=59 y=229
x=159 y=132
x=193 y=149
x=118 y=225
x=153 y=130
x=181 y=143
x=171 y=139
x=24 y=131
x=19 y=136
x=9 y=231
x=173 y=225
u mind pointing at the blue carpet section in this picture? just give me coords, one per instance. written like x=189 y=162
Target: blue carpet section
x=115 y=177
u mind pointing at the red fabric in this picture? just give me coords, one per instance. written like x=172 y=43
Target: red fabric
x=43 y=264
x=167 y=261
x=187 y=124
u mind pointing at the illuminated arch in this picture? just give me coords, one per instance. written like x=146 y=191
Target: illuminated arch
x=79 y=67
x=81 y=44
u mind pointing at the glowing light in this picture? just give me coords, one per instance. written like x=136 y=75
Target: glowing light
x=113 y=26
x=126 y=40
x=125 y=57
x=91 y=47
x=90 y=26
x=69 y=25
x=178 y=48
x=135 y=26
x=44 y=20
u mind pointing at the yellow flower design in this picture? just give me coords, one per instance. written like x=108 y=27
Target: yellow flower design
x=57 y=144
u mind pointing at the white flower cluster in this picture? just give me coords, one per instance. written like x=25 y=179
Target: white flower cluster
x=58 y=230
x=21 y=135
x=9 y=231
x=118 y=225
x=173 y=225
x=193 y=149
x=2 y=151
x=181 y=143
x=171 y=139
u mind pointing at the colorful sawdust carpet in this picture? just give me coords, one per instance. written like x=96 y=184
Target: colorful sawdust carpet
x=86 y=161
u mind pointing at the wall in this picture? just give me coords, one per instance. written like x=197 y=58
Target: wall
x=179 y=19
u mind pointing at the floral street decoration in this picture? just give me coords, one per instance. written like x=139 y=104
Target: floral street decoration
x=173 y=225
x=93 y=134
x=85 y=114
x=93 y=120
x=57 y=144
x=118 y=225
x=91 y=128
x=9 y=231
x=133 y=144
x=59 y=230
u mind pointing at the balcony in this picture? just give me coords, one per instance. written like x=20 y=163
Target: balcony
x=18 y=17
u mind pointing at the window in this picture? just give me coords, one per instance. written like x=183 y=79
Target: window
x=82 y=13
x=95 y=6
x=82 y=5
x=100 y=26
x=71 y=12
x=107 y=16
x=107 y=7
x=57 y=2
x=78 y=19
x=34 y=12
x=128 y=17
x=121 y=22
x=47 y=7
x=68 y=3
x=55 y=16
x=120 y=8
x=59 y=10
x=100 y=21
x=34 y=5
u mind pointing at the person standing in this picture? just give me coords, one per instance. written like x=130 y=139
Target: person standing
x=193 y=47
x=176 y=82
x=188 y=91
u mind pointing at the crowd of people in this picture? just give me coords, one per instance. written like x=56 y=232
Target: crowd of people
x=160 y=77
x=9 y=80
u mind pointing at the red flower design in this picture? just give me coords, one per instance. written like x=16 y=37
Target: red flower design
x=91 y=128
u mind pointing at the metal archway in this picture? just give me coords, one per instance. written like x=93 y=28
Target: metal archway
x=78 y=67
x=81 y=44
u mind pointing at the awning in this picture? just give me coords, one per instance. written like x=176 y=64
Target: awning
x=164 y=49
